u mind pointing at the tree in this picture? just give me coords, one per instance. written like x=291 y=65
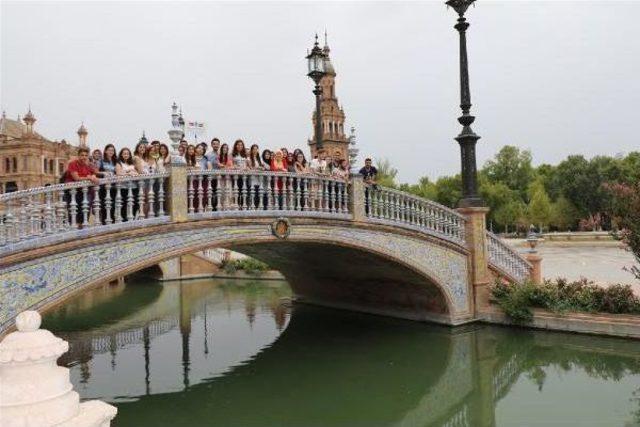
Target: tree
x=511 y=213
x=539 y=208
x=497 y=196
x=424 y=188
x=386 y=176
x=625 y=210
x=564 y=215
x=511 y=167
x=630 y=168
x=449 y=190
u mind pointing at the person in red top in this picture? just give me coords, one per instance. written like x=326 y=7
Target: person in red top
x=80 y=169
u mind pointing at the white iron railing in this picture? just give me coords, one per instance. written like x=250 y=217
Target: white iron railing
x=388 y=206
x=38 y=214
x=507 y=259
x=231 y=192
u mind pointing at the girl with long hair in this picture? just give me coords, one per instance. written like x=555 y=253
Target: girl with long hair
x=108 y=161
x=223 y=158
x=278 y=164
x=126 y=167
x=164 y=154
x=255 y=162
x=139 y=155
x=190 y=156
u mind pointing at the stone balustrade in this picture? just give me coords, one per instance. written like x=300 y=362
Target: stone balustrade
x=34 y=390
x=31 y=217
x=262 y=193
x=385 y=205
x=507 y=259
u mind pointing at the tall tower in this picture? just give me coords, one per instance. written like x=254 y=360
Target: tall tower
x=82 y=135
x=334 y=141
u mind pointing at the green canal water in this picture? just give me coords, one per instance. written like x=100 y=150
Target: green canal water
x=238 y=353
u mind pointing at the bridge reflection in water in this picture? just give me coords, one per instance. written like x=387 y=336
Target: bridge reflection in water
x=237 y=354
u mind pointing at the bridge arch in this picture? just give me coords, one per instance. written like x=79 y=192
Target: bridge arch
x=425 y=269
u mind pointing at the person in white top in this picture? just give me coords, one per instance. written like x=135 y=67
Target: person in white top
x=139 y=158
x=318 y=164
x=125 y=166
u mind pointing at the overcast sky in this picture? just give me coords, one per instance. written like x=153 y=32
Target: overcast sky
x=555 y=77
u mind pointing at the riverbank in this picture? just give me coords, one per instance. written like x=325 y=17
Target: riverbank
x=615 y=325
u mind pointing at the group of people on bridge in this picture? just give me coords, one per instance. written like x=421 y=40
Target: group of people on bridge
x=152 y=158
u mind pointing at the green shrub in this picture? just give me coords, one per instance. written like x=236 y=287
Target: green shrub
x=560 y=296
x=248 y=265
x=515 y=301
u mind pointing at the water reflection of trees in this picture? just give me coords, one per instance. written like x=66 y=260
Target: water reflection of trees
x=607 y=359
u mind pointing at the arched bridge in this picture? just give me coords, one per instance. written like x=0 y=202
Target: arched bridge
x=338 y=243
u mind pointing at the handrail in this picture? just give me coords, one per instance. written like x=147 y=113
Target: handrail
x=507 y=259
x=78 y=184
x=59 y=212
x=250 y=172
x=390 y=206
x=424 y=200
x=241 y=192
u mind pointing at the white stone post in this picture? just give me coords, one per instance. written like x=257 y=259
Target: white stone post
x=34 y=390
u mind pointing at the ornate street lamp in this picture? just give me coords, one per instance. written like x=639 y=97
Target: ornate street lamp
x=467 y=138
x=316 y=61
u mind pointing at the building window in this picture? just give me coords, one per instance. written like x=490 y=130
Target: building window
x=7 y=165
x=60 y=168
x=11 y=187
x=25 y=163
x=15 y=165
x=51 y=171
x=44 y=166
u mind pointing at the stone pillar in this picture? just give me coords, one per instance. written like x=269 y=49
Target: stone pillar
x=171 y=269
x=178 y=203
x=35 y=391
x=536 y=271
x=357 y=199
x=475 y=232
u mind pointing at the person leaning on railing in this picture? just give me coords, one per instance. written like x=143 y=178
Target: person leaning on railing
x=80 y=169
x=106 y=169
x=127 y=167
x=369 y=174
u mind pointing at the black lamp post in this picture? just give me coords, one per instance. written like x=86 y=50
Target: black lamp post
x=467 y=138
x=315 y=60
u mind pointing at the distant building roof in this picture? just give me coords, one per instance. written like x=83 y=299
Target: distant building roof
x=15 y=129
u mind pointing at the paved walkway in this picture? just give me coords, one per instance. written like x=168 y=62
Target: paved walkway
x=602 y=262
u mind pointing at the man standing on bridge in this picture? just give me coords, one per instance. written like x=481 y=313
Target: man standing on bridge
x=369 y=173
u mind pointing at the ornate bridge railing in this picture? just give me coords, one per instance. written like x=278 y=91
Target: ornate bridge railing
x=388 y=206
x=219 y=193
x=58 y=212
x=507 y=259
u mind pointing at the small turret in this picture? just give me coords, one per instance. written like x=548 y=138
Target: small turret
x=143 y=139
x=82 y=135
x=29 y=120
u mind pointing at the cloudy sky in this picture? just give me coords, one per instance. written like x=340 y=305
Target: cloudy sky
x=555 y=77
